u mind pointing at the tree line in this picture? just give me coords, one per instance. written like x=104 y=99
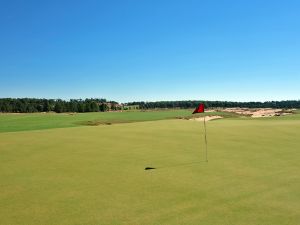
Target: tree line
x=30 y=105
x=215 y=104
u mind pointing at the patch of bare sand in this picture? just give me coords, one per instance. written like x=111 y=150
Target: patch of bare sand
x=207 y=118
x=258 y=112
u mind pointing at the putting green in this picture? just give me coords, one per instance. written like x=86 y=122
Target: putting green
x=95 y=174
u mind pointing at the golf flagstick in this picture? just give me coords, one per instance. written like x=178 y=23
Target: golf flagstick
x=200 y=109
x=205 y=140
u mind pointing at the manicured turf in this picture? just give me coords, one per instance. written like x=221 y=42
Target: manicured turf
x=39 y=121
x=95 y=174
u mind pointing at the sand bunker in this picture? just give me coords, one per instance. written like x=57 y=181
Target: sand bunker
x=207 y=118
x=258 y=112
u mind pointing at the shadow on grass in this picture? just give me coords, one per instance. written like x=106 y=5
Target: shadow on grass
x=175 y=165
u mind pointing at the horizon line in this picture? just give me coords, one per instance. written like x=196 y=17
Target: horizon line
x=123 y=102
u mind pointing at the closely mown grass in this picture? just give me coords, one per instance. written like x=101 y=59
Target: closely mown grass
x=95 y=174
x=39 y=121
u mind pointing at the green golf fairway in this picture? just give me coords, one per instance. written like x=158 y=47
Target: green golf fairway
x=95 y=174
x=40 y=121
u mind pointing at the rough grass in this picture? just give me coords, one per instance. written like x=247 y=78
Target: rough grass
x=95 y=174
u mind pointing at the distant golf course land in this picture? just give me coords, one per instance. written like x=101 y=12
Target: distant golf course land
x=62 y=169
x=11 y=122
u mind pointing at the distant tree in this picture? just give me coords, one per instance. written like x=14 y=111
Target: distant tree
x=87 y=107
x=73 y=106
x=46 y=106
x=59 y=107
x=104 y=107
x=80 y=107
x=94 y=107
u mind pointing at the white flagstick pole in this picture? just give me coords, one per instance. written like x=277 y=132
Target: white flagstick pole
x=205 y=140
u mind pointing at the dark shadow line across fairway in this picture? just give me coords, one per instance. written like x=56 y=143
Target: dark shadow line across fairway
x=176 y=165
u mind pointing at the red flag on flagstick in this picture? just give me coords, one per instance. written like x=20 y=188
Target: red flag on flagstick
x=199 y=109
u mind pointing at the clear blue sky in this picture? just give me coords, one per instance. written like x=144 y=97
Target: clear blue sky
x=130 y=50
